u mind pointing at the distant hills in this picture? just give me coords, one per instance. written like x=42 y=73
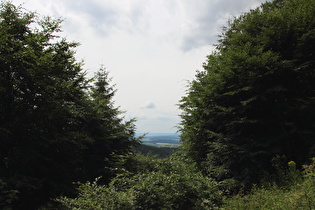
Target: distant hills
x=159 y=134
x=170 y=140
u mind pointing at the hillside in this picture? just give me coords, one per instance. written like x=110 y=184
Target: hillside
x=161 y=152
x=169 y=140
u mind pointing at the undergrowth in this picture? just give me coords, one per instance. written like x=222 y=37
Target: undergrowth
x=173 y=183
x=299 y=194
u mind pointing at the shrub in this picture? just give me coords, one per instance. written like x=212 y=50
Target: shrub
x=299 y=194
x=172 y=183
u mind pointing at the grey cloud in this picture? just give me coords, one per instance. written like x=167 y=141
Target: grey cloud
x=101 y=18
x=137 y=18
x=149 y=105
x=208 y=20
x=204 y=18
x=106 y=15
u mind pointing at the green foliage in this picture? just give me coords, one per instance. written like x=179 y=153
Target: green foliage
x=94 y=196
x=298 y=195
x=7 y=195
x=161 y=152
x=171 y=183
x=255 y=98
x=56 y=126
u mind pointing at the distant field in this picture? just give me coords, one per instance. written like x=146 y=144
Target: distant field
x=161 y=140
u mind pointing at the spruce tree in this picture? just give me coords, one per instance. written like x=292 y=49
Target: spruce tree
x=255 y=98
x=56 y=127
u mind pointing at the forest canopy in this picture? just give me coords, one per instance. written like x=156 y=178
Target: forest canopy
x=247 y=121
x=255 y=98
x=56 y=126
x=251 y=109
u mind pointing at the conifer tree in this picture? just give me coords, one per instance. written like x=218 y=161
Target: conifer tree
x=56 y=128
x=255 y=98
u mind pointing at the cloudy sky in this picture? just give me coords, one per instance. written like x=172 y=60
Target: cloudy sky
x=151 y=48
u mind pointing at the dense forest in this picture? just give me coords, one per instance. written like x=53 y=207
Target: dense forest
x=247 y=123
x=56 y=126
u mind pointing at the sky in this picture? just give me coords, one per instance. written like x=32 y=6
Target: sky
x=151 y=48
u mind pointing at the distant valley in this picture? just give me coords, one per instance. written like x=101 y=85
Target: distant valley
x=161 y=140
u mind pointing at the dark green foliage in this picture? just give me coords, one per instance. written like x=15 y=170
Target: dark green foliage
x=7 y=195
x=171 y=183
x=255 y=99
x=54 y=127
x=161 y=152
x=112 y=137
x=299 y=193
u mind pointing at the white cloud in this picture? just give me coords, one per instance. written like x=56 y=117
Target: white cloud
x=150 y=47
x=157 y=122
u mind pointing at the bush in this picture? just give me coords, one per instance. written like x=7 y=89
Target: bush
x=299 y=194
x=172 y=183
x=94 y=196
x=7 y=195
